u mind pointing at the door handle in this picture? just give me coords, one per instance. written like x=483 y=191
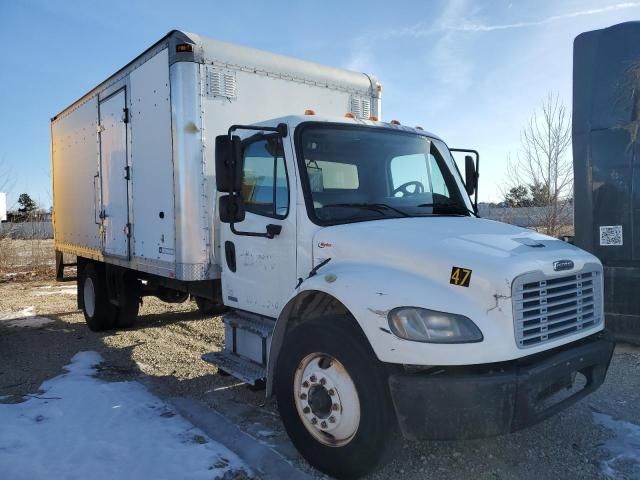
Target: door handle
x=96 y=205
x=230 y=255
x=273 y=230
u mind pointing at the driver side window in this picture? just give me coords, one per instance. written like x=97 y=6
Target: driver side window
x=265 y=187
x=410 y=169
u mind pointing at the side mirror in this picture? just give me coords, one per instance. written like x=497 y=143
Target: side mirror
x=470 y=174
x=228 y=163
x=231 y=209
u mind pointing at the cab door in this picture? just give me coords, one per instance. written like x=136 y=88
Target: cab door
x=259 y=273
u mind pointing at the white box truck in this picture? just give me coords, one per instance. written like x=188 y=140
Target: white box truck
x=356 y=279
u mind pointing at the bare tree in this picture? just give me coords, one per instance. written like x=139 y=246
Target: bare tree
x=544 y=165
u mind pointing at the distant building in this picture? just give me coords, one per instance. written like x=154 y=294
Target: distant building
x=3 y=207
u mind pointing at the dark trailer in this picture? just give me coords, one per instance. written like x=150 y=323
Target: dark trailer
x=606 y=158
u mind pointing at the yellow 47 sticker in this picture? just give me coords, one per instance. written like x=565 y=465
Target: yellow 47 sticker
x=460 y=276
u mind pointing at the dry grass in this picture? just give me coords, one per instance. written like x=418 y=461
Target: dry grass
x=25 y=258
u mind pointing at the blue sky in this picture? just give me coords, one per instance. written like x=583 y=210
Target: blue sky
x=470 y=71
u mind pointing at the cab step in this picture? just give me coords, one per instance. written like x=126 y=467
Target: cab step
x=241 y=368
x=256 y=324
x=247 y=341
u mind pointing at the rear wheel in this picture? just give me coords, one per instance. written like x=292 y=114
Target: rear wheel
x=128 y=301
x=333 y=397
x=99 y=313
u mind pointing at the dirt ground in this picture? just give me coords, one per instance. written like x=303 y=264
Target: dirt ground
x=163 y=351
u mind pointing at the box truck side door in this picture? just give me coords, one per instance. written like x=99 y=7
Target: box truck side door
x=114 y=174
x=259 y=273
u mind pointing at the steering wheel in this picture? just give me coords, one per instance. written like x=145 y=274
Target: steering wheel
x=418 y=188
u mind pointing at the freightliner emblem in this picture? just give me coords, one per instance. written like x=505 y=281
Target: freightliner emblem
x=562 y=265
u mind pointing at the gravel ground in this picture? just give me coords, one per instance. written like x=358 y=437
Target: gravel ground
x=164 y=349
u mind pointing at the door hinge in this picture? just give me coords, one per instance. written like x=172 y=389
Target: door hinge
x=127 y=172
x=125 y=115
x=127 y=230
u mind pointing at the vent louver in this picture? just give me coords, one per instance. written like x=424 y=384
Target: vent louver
x=220 y=83
x=361 y=107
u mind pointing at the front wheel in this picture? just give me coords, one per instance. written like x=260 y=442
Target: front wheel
x=333 y=397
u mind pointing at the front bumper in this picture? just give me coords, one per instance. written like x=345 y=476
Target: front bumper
x=489 y=400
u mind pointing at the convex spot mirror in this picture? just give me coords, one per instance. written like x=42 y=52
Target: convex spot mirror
x=228 y=163
x=231 y=209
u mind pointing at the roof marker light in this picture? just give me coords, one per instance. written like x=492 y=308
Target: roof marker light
x=373 y=118
x=309 y=112
x=184 y=47
x=349 y=115
x=418 y=127
x=394 y=122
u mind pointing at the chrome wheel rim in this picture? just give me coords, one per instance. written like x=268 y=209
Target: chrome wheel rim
x=326 y=399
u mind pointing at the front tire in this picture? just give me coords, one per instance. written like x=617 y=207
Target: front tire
x=99 y=313
x=333 y=397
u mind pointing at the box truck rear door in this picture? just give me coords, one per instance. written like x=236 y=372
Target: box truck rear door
x=114 y=174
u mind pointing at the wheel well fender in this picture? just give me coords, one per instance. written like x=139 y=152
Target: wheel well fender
x=306 y=305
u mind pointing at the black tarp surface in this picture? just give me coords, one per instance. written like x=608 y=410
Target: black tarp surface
x=606 y=157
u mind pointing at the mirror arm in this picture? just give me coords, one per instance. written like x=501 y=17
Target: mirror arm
x=272 y=231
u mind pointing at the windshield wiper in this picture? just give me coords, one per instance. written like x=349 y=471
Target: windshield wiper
x=376 y=207
x=450 y=208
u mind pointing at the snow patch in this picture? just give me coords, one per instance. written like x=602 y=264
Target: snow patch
x=83 y=427
x=56 y=291
x=623 y=447
x=24 y=318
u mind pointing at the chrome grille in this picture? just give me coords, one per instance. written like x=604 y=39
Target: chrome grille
x=547 y=308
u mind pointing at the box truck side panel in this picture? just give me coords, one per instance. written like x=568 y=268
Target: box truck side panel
x=247 y=97
x=224 y=55
x=76 y=184
x=152 y=163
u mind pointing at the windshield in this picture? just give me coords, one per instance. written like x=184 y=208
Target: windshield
x=363 y=173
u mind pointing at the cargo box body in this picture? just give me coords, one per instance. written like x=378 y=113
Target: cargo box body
x=133 y=160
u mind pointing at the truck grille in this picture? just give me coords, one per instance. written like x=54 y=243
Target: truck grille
x=547 y=308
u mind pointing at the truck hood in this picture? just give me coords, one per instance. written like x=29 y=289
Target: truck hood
x=384 y=264
x=432 y=246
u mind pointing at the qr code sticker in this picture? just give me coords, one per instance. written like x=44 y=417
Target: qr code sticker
x=611 y=235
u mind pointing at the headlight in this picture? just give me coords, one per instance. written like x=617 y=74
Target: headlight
x=422 y=325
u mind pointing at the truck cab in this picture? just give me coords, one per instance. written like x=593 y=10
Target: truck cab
x=366 y=292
